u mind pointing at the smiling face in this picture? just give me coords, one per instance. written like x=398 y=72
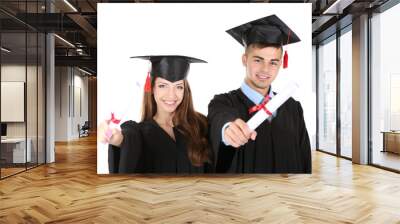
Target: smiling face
x=168 y=95
x=262 y=66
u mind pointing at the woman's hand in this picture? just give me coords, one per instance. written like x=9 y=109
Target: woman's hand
x=109 y=133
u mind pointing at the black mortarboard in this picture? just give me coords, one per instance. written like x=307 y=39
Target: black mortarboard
x=170 y=67
x=267 y=30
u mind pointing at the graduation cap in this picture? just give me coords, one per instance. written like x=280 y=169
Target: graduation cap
x=169 y=67
x=266 y=30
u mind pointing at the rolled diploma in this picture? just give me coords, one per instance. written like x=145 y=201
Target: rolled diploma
x=272 y=105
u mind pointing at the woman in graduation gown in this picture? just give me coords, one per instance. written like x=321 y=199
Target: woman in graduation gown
x=172 y=136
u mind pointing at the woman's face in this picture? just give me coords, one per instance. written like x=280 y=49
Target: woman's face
x=168 y=95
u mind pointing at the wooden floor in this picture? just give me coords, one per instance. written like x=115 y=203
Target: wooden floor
x=5 y=172
x=70 y=191
x=387 y=159
x=10 y=171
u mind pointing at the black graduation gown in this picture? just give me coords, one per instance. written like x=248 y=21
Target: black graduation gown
x=147 y=148
x=281 y=146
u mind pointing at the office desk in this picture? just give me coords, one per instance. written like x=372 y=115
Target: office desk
x=15 y=148
x=391 y=141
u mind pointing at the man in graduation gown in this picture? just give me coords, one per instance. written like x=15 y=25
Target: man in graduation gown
x=281 y=143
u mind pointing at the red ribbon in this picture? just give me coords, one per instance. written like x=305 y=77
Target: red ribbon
x=113 y=119
x=261 y=106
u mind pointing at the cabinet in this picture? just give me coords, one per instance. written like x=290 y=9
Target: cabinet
x=391 y=141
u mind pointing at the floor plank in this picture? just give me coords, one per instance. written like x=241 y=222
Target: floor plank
x=70 y=191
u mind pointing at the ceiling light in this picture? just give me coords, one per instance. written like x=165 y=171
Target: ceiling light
x=5 y=50
x=338 y=6
x=84 y=71
x=64 y=40
x=70 y=5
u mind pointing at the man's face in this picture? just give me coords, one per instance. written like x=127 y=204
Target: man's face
x=262 y=67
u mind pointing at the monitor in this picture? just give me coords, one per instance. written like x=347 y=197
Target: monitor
x=3 y=129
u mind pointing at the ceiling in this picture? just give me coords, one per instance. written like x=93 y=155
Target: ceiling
x=76 y=22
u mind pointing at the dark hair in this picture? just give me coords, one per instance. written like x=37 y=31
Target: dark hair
x=190 y=123
x=260 y=46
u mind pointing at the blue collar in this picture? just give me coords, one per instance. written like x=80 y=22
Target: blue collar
x=253 y=95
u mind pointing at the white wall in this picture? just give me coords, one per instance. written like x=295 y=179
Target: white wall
x=70 y=83
x=16 y=73
x=80 y=84
x=33 y=127
x=12 y=73
x=61 y=103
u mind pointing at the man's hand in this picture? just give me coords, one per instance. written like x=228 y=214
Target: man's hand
x=238 y=133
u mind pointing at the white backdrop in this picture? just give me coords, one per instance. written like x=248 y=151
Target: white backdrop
x=196 y=30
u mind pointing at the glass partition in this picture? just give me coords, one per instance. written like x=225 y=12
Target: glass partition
x=22 y=63
x=327 y=96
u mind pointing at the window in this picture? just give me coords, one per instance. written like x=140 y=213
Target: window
x=346 y=93
x=385 y=89
x=327 y=96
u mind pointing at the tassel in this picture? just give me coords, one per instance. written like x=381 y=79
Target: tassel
x=286 y=56
x=285 y=60
x=147 y=85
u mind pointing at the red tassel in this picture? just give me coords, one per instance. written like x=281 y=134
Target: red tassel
x=285 y=60
x=147 y=85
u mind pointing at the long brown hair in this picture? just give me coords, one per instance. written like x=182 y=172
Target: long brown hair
x=190 y=123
